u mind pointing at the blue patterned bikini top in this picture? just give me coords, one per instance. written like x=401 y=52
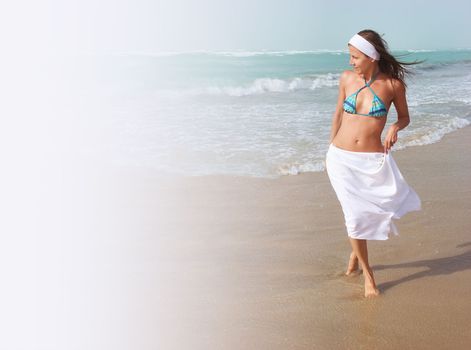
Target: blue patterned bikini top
x=378 y=108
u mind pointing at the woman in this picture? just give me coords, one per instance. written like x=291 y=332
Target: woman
x=365 y=177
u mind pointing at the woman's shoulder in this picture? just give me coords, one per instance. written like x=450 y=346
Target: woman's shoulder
x=397 y=83
x=396 y=86
x=393 y=82
x=346 y=76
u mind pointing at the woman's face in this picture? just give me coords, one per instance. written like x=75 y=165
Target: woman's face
x=358 y=60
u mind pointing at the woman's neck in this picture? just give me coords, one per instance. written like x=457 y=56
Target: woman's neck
x=369 y=75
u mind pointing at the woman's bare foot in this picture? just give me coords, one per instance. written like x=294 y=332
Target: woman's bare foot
x=352 y=264
x=370 y=285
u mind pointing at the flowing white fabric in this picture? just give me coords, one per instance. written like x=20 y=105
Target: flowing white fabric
x=371 y=191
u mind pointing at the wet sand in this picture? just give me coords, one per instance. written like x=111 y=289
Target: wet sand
x=222 y=262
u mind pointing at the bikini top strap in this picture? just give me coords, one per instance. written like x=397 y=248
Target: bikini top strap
x=367 y=84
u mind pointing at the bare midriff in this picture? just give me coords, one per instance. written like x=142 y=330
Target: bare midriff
x=358 y=133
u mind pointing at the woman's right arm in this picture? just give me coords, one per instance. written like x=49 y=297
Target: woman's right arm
x=337 y=117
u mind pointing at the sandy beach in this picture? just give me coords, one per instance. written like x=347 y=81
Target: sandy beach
x=222 y=262
x=109 y=240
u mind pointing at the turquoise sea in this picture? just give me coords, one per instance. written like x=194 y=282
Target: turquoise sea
x=263 y=114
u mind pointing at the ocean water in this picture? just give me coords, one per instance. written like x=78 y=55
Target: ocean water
x=262 y=114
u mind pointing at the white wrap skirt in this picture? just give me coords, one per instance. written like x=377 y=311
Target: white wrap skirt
x=371 y=191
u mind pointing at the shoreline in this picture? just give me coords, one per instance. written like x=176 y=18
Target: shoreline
x=170 y=176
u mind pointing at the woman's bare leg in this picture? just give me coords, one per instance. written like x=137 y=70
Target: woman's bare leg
x=361 y=251
x=352 y=264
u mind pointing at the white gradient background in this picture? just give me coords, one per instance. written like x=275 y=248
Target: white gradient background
x=87 y=255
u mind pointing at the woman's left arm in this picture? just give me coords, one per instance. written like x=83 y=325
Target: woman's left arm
x=400 y=103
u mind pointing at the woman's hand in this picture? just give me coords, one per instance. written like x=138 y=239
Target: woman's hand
x=391 y=138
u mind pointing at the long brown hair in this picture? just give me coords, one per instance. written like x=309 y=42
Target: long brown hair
x=388 y=64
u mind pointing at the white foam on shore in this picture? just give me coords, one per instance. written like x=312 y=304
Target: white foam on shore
x=433 y=135
x=429 y=137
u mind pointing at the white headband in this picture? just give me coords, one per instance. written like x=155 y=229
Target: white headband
x=364 y=46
